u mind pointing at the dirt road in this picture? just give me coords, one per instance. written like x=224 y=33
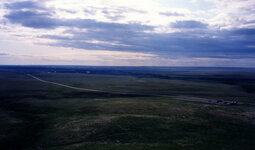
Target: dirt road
x=183 y=98
x=63 y=85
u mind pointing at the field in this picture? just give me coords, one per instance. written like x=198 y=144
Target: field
x=139 y=108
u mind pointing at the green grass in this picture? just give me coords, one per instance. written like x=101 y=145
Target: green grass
x=146 y=85
x=36 y=115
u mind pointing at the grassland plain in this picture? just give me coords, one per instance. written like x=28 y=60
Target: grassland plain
x=36 y=115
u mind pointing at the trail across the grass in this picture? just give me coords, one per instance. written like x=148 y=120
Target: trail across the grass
x=93 y=90
x=183 y=98
x=63 y=85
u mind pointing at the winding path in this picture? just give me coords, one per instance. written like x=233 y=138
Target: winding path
x=72 y=87
x=183 y=98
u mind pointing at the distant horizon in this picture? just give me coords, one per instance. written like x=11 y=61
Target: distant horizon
x=124 y=66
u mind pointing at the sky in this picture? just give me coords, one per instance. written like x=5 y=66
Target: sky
x=206 y=33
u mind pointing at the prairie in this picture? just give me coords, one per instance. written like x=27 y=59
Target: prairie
x=37 y=115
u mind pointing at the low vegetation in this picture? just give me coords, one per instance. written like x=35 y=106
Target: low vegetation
x=36 y=115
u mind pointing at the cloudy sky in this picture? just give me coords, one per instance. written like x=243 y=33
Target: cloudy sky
x=128 y=32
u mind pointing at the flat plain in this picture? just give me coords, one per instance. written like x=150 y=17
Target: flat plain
x=139 y=108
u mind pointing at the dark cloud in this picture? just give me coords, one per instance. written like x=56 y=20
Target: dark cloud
x=247 y=32
x=32 y=19
x=171 y=14
x=131 y=37
x=113 y=15
x=68 y=11
x=45 y=20
x=90 y=10
x=189 y=24
x=93 y=24
x=30 y=14
x=188 y=44
x=24 y=4
x=3 y=54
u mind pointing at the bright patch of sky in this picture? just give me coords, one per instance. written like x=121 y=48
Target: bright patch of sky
x=192 y=5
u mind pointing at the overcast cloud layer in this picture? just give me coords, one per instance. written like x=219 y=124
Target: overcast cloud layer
x=128 y=32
